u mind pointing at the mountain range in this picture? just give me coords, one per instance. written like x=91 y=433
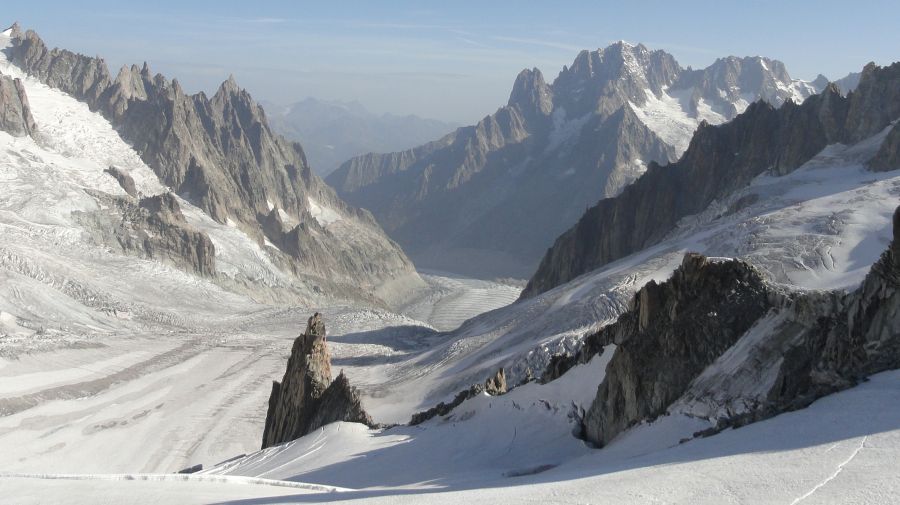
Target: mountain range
x=720 y=321
x=219 y=154
x=487 y=199
x=332 y=132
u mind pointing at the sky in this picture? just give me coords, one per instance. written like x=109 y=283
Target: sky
x=450 y=60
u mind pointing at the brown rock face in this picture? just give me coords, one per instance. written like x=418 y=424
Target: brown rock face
x=15 y=113
x=306 y=399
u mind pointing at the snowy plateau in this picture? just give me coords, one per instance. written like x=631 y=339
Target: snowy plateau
x=116 y=372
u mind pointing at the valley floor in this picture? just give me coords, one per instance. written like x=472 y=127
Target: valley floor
x=199 y=395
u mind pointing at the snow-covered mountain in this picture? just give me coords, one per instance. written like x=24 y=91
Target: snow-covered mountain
x=332 y=132
x=721 y=160
x=488 y=199
x=124 y=357
x=219 y=155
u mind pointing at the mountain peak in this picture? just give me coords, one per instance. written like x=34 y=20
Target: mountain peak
x=531 y=92
x=230 y=85
x=14 y=31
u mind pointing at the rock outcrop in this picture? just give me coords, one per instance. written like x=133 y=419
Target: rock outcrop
x=219 y=153
x=151 y=228
x=720 y=160
x=488 y=199
x=495 y=385
x=15 y=113
x=717 y=341
x=306 y=398
x=671 y=333
x=124 y=179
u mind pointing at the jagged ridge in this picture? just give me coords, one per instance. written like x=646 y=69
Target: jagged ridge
x=500 y=190
x=720 y=160
x=220 y=154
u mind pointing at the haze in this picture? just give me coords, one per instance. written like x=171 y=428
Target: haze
x=453 y=61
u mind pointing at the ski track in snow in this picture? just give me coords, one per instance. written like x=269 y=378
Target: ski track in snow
x=837 y=471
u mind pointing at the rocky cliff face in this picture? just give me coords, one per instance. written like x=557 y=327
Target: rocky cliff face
x=672 y=332
x=716 y=341
x=219 y=153
x=151 y=228
x=306 y=398
x=15 y=114
x=496 y=193
x=720 y=160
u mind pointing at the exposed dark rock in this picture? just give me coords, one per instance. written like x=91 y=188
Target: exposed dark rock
x=15 y=113
x=495 y=385
x=124 y=180
x=219 y=153
x=814 y=344
x=719 y=160
x=306 y=398
x=669 y=335
x=192 y=469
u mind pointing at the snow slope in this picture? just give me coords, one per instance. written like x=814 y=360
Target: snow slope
x=113 y=366
x=111 y=363
x=841 y=449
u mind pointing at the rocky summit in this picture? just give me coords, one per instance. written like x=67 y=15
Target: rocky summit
x=306 y=398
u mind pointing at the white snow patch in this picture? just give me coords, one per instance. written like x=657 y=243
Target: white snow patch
x=324 y=215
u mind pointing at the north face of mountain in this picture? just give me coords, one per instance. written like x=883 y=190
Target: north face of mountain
x=333 y=132
x=487 y=199
x=219 y=153
x=720 y=160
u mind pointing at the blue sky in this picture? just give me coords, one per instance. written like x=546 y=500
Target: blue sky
x=448 y=60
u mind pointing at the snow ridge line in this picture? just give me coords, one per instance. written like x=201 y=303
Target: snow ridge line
x=837 y=472
x=178 y=477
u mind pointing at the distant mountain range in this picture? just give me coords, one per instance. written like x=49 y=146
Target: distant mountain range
x=332 y=132
x=487 y=199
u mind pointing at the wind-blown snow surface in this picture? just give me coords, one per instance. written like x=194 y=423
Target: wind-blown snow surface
x=842 y=449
